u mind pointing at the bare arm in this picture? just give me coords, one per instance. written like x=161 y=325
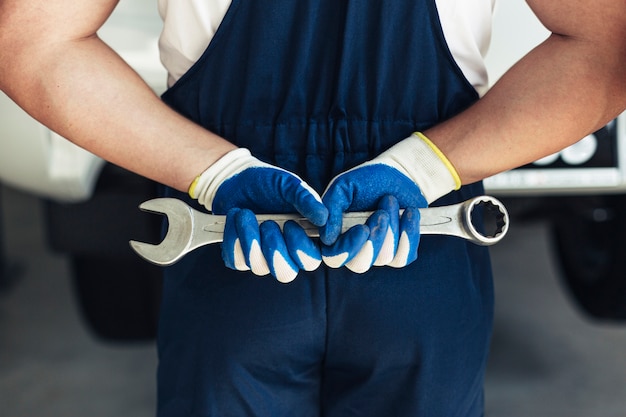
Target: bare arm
x=55 y=67
x=566 y=88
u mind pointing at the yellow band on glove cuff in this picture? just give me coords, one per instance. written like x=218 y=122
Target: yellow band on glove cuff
x=444 y=159
x=192 y=187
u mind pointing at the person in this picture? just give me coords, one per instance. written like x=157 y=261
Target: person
x=321 y=107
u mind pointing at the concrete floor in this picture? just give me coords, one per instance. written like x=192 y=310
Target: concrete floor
x=50 y=365
x=547 y=359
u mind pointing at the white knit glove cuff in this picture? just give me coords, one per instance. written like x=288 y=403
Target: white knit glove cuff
x=206 y=184
x=420 y=159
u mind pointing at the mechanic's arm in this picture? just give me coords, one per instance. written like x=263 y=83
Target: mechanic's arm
x=567 y=87
x=55 y=67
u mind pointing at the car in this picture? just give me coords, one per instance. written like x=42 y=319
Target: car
x=91 y=205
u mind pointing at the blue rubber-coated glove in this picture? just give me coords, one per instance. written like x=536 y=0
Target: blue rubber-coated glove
x=239 y=185
x=409 y=175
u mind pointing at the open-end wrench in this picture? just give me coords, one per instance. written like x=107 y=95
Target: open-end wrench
x=188 y=229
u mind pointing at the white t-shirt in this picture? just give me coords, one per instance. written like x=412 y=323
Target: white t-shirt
x=189 y=26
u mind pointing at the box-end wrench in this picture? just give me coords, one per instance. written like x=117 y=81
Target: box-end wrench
x=188 y=229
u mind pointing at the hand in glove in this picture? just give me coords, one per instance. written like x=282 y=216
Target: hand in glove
x=239 y=185
x=409 y=175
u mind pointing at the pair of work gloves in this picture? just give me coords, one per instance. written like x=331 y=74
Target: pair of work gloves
x=409 y=175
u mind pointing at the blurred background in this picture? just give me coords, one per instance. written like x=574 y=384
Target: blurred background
x=548 y=357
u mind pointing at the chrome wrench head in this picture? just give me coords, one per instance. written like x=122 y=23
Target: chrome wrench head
x=179 y=233
x=482 y=220
x=490 y=214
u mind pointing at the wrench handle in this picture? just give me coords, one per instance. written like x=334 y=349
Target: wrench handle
x=453 y=220
x=190 y=229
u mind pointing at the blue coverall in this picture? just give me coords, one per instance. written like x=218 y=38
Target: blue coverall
x=317 y=87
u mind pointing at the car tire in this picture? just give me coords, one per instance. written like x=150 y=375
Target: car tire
x=589 y=242
x=117 y=292
x=118 y=298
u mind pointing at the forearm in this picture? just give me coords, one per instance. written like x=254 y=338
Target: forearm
x=563 y=90
x=85 y=92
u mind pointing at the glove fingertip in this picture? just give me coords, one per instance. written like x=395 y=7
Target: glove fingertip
x=336 y=260
x=308 y=203
x=363 y=261
x=284 y=271
x=406 y=254
x=258 y=264
x=239 y=260
x=330 y=232
x=274 y=247
x=302 y=249
x=308 y=262
x=316 y=212
x=232 y=249
x=319 y=217
x=346 y=247
x=327 y=237
x=388 y=248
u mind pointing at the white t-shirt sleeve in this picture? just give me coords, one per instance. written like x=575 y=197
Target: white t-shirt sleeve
x=467 y=28
x=190 y=25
